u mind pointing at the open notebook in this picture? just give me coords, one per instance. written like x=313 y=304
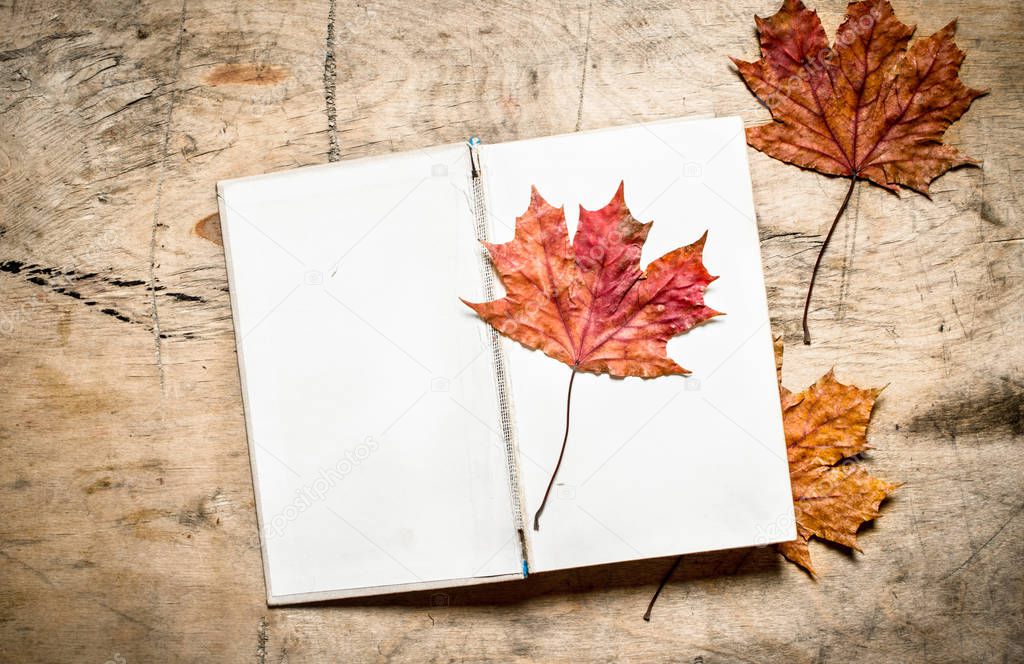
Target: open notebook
x=398 y=444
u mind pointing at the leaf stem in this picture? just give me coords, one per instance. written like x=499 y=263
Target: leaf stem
x=568 y=402
x=817 y=263
x=661 y=586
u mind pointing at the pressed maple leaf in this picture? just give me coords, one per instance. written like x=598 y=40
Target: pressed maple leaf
x=872 y=107
x=588 y=303
x=833 y=495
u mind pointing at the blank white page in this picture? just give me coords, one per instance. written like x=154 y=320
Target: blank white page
x=369 y=395
x=668 y=465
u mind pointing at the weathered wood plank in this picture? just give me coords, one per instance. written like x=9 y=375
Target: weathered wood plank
x=129 y=529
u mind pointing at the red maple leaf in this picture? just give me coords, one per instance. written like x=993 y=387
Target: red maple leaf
x=589 y=304
x=868 y=108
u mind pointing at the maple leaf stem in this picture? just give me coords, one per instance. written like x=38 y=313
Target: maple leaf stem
x=661 y=586
x=817 y=263
x=565 y=438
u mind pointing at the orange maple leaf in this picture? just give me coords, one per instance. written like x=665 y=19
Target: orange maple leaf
x=867 y=108
x=826 y=427
x=588 y=303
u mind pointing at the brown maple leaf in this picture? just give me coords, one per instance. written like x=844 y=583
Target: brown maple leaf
x=826 y=427
x=588 y=303
x=868 y=108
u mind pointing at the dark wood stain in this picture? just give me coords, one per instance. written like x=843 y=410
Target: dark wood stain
x=116 y=314
x=103 y=484
x=208 y=228
x=246 y=73
x=144 y=523
x=201 y=513
x=996 y=408
x=185 y=297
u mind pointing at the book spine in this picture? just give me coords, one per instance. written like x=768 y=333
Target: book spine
x=498 y=363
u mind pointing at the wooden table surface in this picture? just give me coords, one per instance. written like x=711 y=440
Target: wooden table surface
x=128 y=530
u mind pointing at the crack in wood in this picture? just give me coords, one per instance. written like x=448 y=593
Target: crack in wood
x=71 y=283
x=38 y=44
x=331 y=84
x=583 y=66
x=155 y=309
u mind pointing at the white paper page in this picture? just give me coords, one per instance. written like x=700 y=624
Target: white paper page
x=674 y=464
x=369 y=396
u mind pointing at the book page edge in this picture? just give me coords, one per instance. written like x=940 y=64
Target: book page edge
x=370 y=591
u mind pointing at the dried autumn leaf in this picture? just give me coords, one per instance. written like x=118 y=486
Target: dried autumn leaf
x=826 y=425
x=867 y=108
x=589 y=304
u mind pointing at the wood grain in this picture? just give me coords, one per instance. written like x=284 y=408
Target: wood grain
x=129 y=531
